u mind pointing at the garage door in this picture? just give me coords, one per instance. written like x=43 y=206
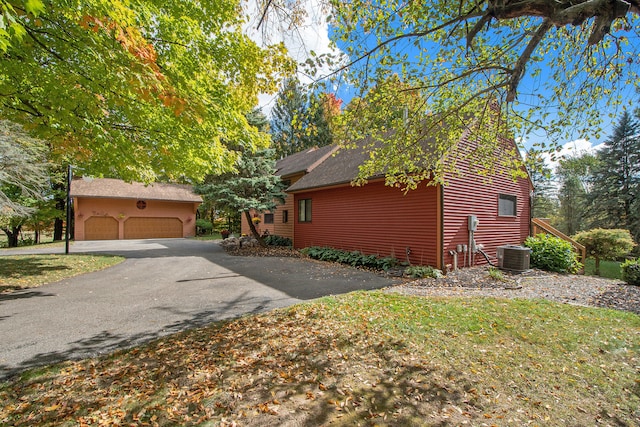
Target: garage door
x=101 y=228
x=152 y=228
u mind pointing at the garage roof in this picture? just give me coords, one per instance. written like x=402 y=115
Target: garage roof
x=118 y=189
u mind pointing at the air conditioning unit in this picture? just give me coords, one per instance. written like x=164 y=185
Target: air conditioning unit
x=513 y=258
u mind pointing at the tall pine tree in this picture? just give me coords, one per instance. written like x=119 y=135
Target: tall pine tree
x=288 y=119
x=254 y=186
x=616 y=188
x=302 y=120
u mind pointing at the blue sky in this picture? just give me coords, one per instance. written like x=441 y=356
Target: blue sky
x=315 y=36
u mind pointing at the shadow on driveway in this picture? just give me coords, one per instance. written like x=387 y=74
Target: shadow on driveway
x=164 y=286
x=299 y=278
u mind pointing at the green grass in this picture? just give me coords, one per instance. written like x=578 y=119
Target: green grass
x=213 y=236
x=608 y=269
x=30 y=271
x=27 y=236
x=42 y=245
x=365 y=358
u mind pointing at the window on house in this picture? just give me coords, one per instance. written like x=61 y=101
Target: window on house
x=304 y=210
x=507 y=205
x=285 y=216
x=268 y=218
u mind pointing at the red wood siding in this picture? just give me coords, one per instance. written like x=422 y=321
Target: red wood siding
x=470 y=194
x=374 y=219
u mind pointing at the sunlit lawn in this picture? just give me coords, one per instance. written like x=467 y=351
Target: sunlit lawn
x=608 y=269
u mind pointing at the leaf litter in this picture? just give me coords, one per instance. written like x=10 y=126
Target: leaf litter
x=358 y=359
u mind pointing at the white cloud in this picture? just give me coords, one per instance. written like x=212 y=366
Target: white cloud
x=570 y=149
x=308 y=38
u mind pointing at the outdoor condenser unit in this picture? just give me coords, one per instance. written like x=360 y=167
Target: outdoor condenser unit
x=513 y=258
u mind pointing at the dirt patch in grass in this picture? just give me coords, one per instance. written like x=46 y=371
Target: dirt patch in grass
x=30 y=271
x=359 y=359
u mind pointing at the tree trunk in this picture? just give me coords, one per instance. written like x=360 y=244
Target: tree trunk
x=59 y=192
x=12 y=235
x=597 y=266
x=254 y=232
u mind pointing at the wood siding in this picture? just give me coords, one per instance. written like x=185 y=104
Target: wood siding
x=374 y=219
x=470 y=194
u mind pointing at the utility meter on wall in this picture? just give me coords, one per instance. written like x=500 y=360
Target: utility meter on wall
x=473 y=222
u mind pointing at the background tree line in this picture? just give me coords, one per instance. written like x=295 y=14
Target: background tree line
x=600 y=190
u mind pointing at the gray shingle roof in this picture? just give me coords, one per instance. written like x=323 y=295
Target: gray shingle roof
x=339 y=168
x=343 y=165
x=117 y=189
x=304 y=161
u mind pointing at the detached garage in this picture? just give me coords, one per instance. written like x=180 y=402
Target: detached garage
x=111 y=209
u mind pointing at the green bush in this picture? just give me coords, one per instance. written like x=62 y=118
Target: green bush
x=274 y=240
x=631 y=271
x=204 y=226
x=420 y=271
x=607 y=244
x=496 y=274
x=552 y=254
x=352 y=258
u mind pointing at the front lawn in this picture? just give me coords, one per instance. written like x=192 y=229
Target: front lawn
x=30 y=271
x=608 y=269
x=365 y=358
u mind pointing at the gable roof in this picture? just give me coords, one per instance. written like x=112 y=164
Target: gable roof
x=340 y=168
x=118 y=189
x=304 y=161
x=342 y=165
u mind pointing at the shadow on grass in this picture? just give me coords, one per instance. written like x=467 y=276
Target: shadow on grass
x=16 y=268
x=308 y=376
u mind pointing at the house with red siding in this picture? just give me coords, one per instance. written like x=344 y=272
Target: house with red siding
x=426 y=226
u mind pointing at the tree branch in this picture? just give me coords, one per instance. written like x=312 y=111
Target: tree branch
x=565 y=12
x=518 y=69
x=416 y=34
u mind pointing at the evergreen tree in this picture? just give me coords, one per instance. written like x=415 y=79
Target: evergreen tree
x=322 y=107
x=302 y=121
x=616 y=187
x=253 y=187
x=288 y=119
x=258 y=119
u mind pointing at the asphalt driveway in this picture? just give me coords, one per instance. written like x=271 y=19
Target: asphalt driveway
x=164 y=286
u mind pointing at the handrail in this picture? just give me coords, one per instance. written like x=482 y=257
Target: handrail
x=540 y=224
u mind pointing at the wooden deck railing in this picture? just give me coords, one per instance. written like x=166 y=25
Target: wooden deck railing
x=539 y=225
